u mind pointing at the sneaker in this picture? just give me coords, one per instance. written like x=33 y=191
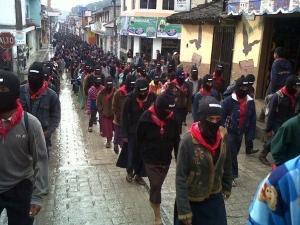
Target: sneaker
x=108 y=145
x=90 y=129
x=264 y=160
x=252 y=151
x=234 y=184
x=139 y=180
x=116 y=149
x=129 y=178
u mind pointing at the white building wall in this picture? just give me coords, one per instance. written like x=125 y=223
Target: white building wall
x=156 y=46
x=8 y=12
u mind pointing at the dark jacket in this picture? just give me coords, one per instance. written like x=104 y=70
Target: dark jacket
x=46 y=108
x=280 y=71
x=286 y=142
x=157 y=148
x=197 y=177
x=131 y=113
x=184 y=97
x=231 y=116
x=280 y=110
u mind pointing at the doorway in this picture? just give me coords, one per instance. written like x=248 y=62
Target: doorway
x=147 y=48
x=222 y=50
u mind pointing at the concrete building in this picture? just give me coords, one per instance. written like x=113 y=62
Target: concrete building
x=143 y=27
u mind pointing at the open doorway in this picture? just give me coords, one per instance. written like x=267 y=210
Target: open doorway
x=147 y=48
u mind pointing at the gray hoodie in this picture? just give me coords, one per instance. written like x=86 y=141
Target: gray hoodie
x=24 y=156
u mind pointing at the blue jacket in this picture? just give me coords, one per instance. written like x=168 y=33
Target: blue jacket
x=196 y=100
x=280 y=71
x=231 y=116
x=46 y=108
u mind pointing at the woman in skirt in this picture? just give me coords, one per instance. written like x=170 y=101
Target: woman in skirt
x=158 y=135
x=104 y=105
x=203 y=172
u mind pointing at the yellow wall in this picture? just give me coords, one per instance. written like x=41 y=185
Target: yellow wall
x=255 y=32
x=190 y=32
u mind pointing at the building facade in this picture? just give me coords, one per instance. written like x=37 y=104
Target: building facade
x=143 y=28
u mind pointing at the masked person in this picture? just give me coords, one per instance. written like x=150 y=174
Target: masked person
x=218 y=81
x=184 y=99
x=41 y=101
x=203 y=170
x=23 y=152
x=136 y=103
x=194 y=81
x=205 y=90
x=104 y=105
x=282 y=107
x=92 y=97
x=155 y=85
x=238 y=117
x=158 y=135
x=117 y=109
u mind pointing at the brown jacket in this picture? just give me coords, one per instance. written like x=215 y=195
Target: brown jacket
x=117 y=106
x=104 y=103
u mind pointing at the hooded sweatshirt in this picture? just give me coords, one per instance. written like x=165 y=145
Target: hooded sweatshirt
x=280 y=71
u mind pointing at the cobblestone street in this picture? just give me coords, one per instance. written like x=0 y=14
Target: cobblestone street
x=86 y=188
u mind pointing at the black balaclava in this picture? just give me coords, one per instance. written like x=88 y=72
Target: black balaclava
x=242 y=87
x=209 y=106
x=98 y=82
x=36 y=76
x=130 y=83
x=208 y=82
x=163 y=105
x=291 y=84
x=142 y=88
x=108 y=84
x=194 y=73
x=156 y=79
x=9 y=91
x=180 y=76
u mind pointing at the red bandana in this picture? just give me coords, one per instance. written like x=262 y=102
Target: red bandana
x=123 y=90
x=196 y=134
x=160 y=123
x=15 y=119
x=291 y=97
x=41 y=91
x=204 y=92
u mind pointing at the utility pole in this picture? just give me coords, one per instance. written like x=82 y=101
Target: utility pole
x=115 y=28
x=19 y=27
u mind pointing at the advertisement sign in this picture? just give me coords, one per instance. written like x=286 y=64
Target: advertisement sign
x=167 y=30
x=182 y=5
x=7 y=40
x=20 y=38
x=260 y=7
x=142 y=26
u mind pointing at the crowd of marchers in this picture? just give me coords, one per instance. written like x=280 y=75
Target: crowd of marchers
x=141 y=108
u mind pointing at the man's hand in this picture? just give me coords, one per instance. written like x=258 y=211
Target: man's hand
x=34 y=210
x=187 y=221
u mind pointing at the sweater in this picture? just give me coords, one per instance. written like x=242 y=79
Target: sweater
x=285 y=144
x=157 y=148
x=24 y=156
x=197 y=177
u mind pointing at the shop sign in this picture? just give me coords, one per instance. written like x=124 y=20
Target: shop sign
x=167 y=30
x=142 y=26
x=260 y=7
x=7 y=40
x=20 y=38
x=182 y=5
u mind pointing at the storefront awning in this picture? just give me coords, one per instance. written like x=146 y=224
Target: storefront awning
x=260 y=7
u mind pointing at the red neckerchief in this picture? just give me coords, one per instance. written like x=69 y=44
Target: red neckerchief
x=123 y=90
x=109 y=95
x=160 y=123
x=15 y=119
x=243 y=110
x=197 y=135
x=291 y=97
x=204 y=92
x=39 y=92
x=180 y=87
x=141 y=102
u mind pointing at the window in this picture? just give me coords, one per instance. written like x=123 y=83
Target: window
x=123 y=43
x=132 y=4
x=168 y=4
x=124 y=5
x=148 y=4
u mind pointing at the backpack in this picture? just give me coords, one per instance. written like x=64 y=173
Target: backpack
x=268 y=101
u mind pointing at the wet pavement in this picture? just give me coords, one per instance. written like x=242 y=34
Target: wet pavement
x=86 y=188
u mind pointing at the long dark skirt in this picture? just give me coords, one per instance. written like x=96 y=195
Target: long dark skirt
x=208 y=212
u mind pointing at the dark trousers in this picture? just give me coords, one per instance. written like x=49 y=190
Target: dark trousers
x=210 y=211
x=93 y=117
x=267 y=145
x=16 y=201
x=248 y=143
x=234 y=144
x=180 y=116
